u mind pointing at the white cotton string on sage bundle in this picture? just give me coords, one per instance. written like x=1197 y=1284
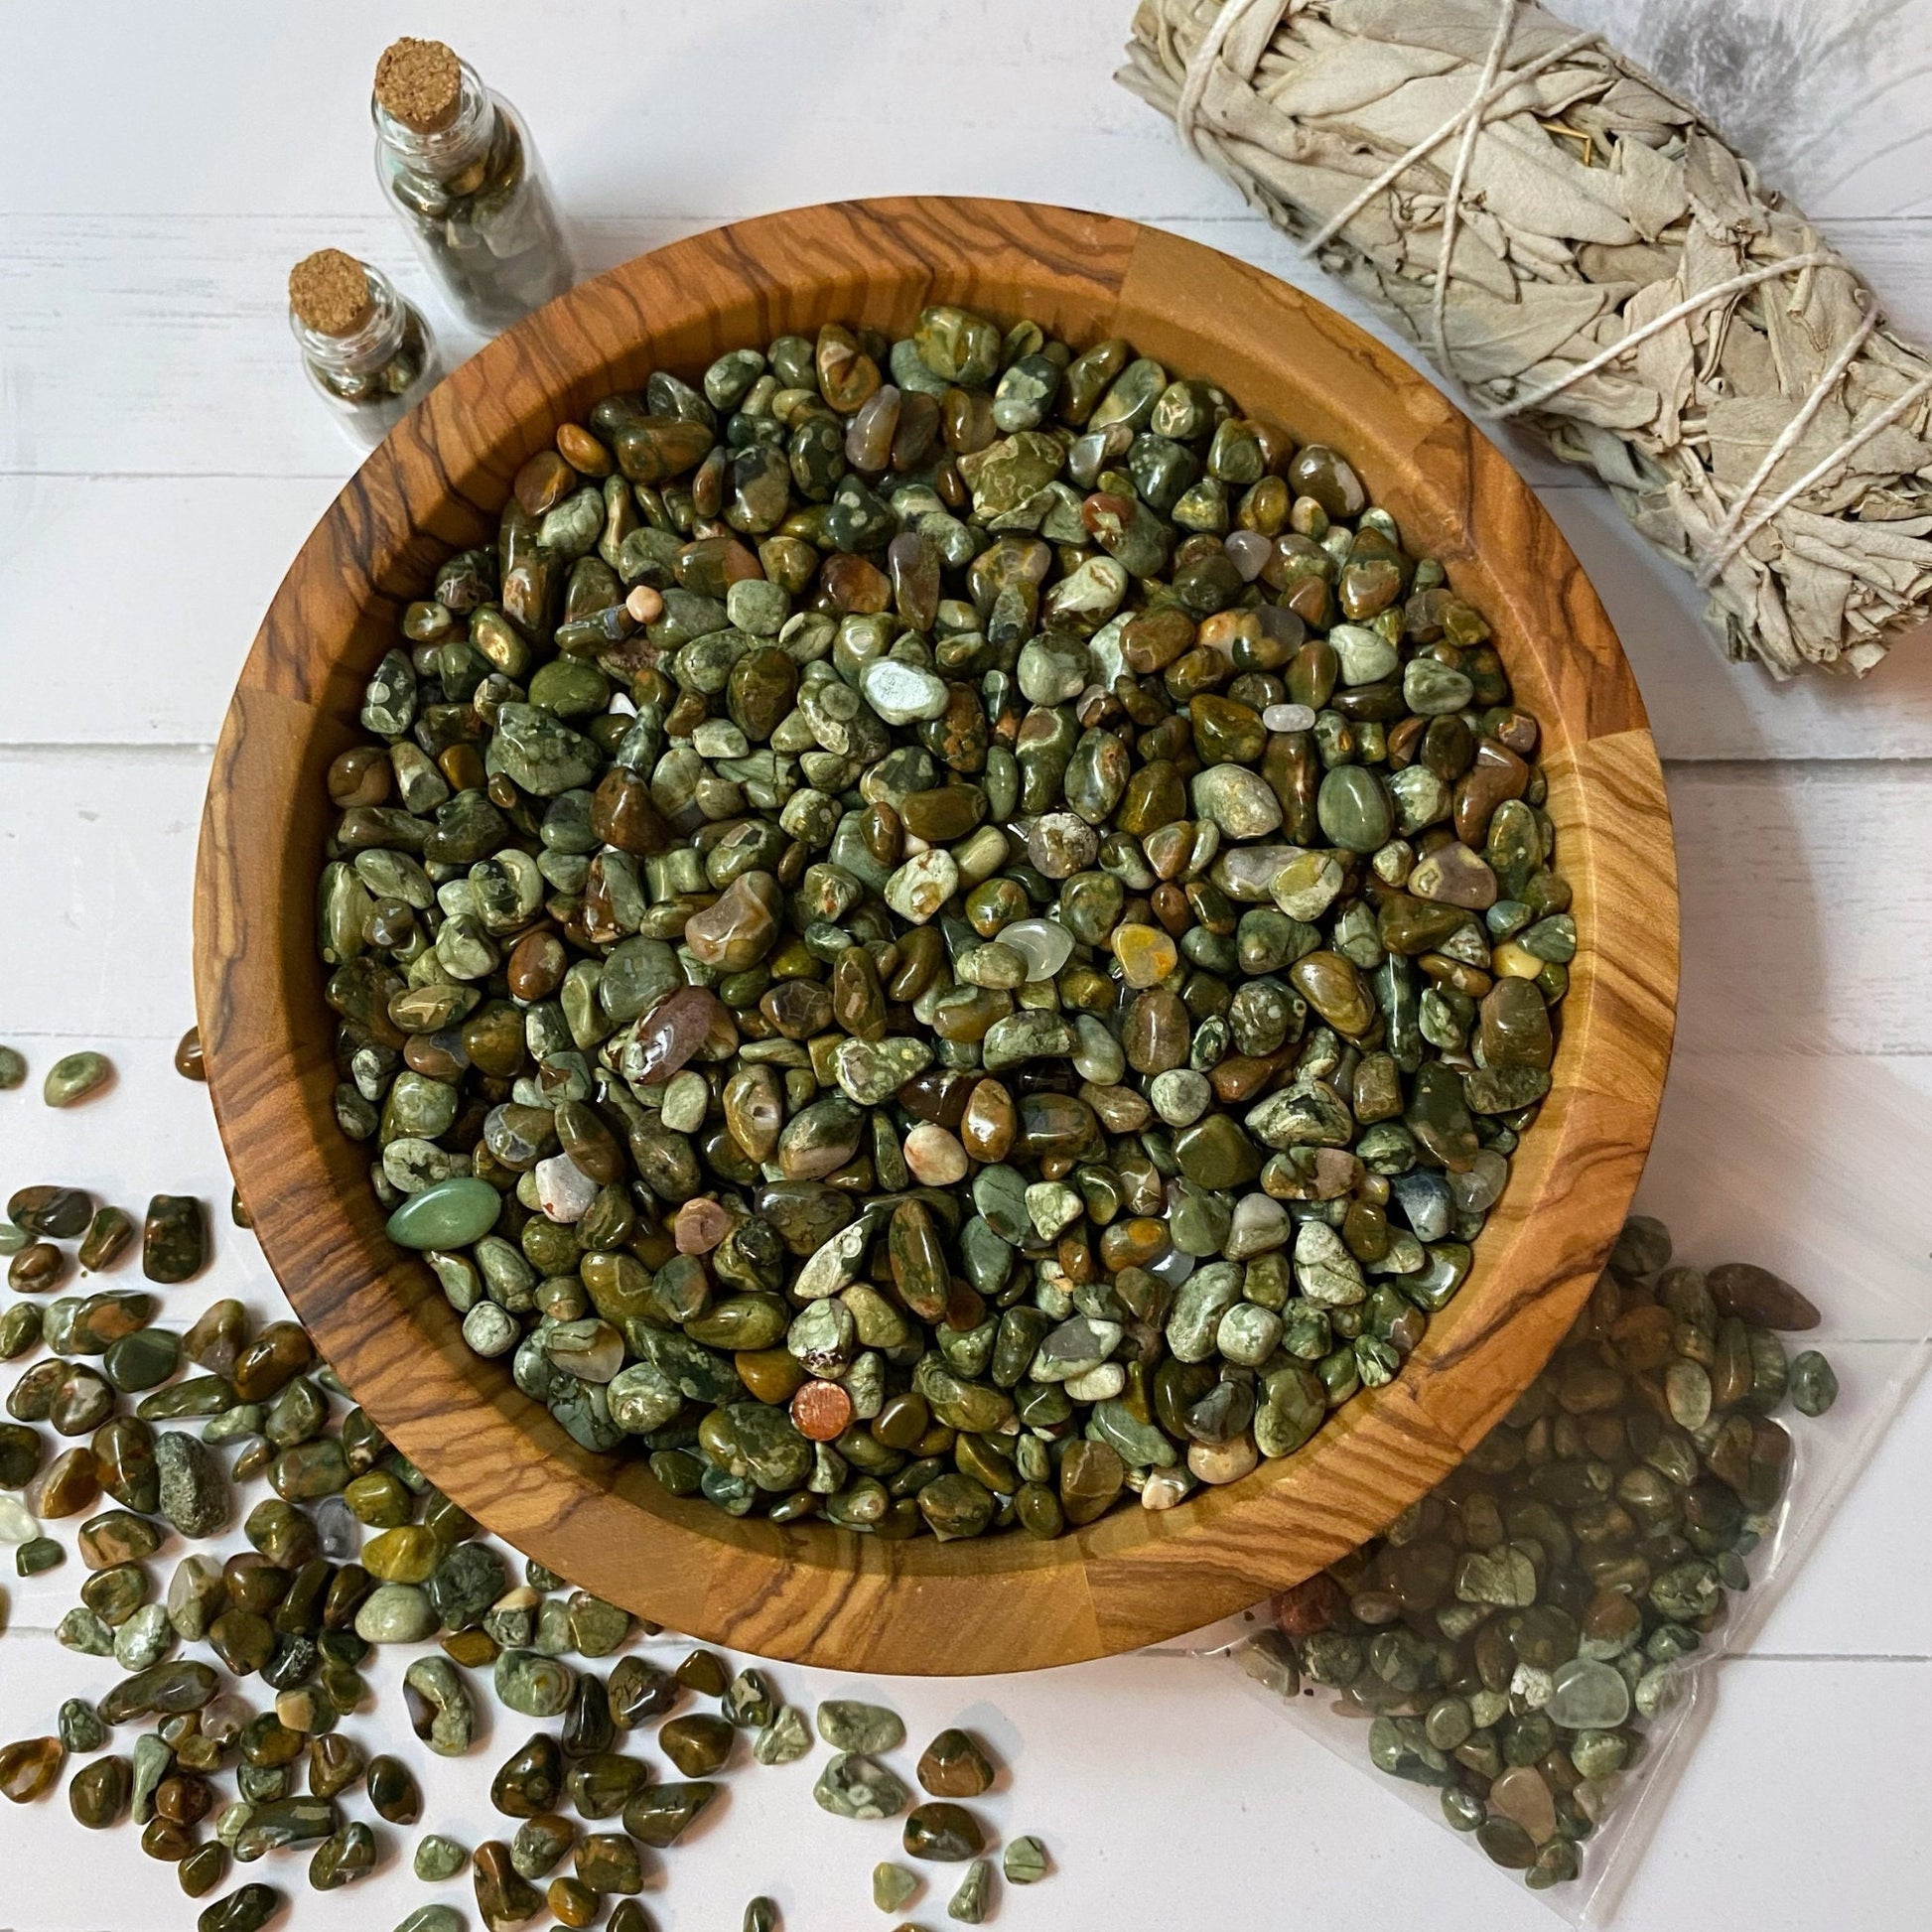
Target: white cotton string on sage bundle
x=1617 y=280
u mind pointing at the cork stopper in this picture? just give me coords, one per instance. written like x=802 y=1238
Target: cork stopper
x=419 y=83
x=328 y=292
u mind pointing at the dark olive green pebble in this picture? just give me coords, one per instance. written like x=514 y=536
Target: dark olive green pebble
x=393 y=1790
x=600 y=1785
x=660 y=1814
x=203 y=1868
x=531 y=1780
x=36 y=1269
x=58 y=1213
x=637 y=1690
x=142 y=1361
x=698 y=1743
x=342 y=1858
x=97 y=1793
x=1507 y=1843
x=944 y=1832
x=704 y=1672
x=246 y=1909
x=20 y=1330
x=21 y=1454
x=609 y=1862
x=173 y=1239
x=1812 y=1382
x=38 y=1555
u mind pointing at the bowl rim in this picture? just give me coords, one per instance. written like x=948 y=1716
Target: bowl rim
x=808 y=1592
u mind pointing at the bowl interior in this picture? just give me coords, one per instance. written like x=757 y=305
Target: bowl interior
x=809 y=1590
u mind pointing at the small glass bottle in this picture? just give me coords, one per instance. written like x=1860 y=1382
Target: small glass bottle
x=368 y=351
x=458 y=165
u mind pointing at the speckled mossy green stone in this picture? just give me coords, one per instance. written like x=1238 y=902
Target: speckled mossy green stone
x=784 y=1741
x=870 y=1729
x=77 y=1077
x=856 y=1787
x=438 y=1858
x=173 y=1239
x=534 y=1685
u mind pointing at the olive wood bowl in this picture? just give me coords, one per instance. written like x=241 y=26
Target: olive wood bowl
x=809 y=1592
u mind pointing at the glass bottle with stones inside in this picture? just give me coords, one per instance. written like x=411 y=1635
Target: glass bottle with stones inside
x=458 y=164
x=366 y=349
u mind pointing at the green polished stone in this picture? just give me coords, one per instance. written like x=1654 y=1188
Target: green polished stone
x=868 y=1728
x=660 y=1814
x=1354 y=809
x=450 y=1214
x=534 y=1685
x=74 y=1077
x=1024 y=1861
x=438 y=1858
x=854 y=1786
x=972 y=1900
x=173 y=1239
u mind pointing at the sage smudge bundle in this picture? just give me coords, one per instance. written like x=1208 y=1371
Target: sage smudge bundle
x=1619 y=280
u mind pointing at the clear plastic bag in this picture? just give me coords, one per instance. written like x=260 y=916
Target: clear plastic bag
x=1811 y=1168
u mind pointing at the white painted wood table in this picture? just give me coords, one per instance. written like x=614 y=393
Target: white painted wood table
x=159 y=460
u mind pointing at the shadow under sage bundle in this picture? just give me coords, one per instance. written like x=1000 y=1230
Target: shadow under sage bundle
x=1618 y=281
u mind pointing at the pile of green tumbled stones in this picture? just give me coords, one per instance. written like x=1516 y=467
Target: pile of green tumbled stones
x=351 y=1549
x=941 y=930
x=938 y=1829
x=1516 y=1630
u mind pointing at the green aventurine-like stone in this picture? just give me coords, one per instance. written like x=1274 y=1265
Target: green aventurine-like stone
x=892 y=1885
x=450 y=1214
x=1024 y=1862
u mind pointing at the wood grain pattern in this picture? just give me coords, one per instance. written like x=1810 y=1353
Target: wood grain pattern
x=809 y=1592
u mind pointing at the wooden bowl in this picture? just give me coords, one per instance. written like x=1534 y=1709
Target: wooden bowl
x=810 y=1591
